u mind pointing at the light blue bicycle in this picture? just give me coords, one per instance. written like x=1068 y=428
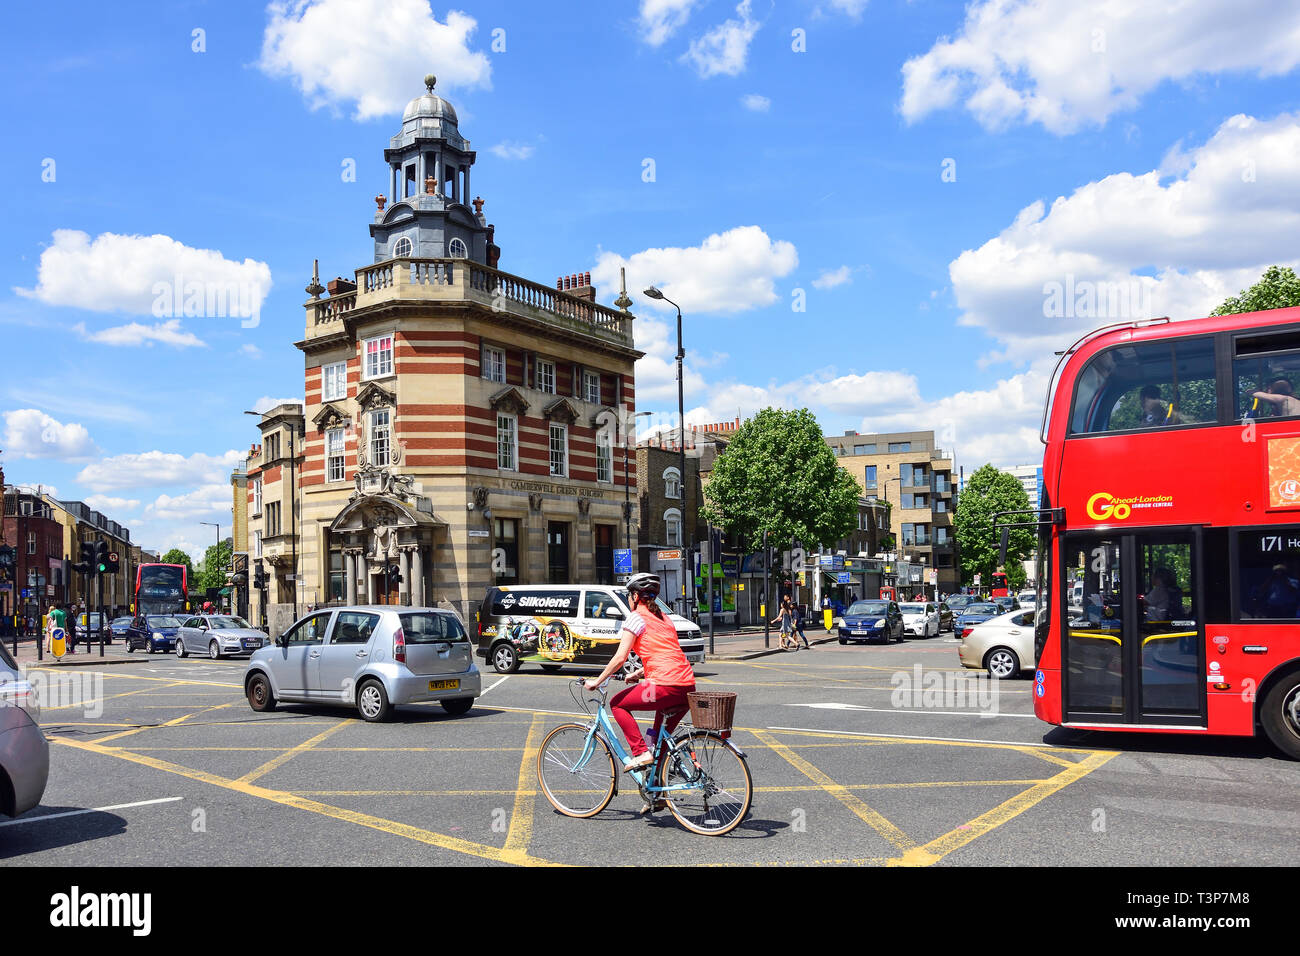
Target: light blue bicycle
x=700 y=775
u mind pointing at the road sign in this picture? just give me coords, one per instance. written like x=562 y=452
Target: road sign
x=670 y=555
x=479 y=534
x=977 y=580
x=622 y=560
x=843 y=577
x=740 y=585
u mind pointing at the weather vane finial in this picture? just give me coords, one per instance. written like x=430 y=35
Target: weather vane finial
x=429 y=81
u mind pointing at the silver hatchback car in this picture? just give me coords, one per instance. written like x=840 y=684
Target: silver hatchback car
x=373 y=658
x=24 y=751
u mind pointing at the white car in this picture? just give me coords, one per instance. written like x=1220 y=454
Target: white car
x=1003 y=645
x=920 y=620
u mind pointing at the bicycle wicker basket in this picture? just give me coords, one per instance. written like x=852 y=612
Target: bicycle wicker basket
x=712 y=710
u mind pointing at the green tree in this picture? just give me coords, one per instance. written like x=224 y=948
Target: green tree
x=216 y=562
x=177 y=556
x=1279 y=288
x=778 y=475
x=989 y=491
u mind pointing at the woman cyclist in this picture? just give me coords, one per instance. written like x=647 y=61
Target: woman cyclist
x=667 y=673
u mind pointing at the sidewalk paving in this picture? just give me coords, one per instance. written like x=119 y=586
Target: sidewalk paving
x=114 y=653
x=747 y=642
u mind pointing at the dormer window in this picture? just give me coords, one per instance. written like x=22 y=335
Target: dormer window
x=401 y=248
x=457 y=250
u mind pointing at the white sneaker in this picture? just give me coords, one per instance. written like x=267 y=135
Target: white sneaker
x=637 y=763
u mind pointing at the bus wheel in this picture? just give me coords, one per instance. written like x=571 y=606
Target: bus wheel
x=1280 y=715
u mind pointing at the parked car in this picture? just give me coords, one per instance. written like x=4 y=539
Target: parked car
x=119 y=626
x=870 y=621
x=1007 y=602
x=555 y=625
x=1003 y=645
x=24 y=751
x=920 y=620
x=218 y=635
x=958 y=602
x=152 y=632
x=976 y=613
x=947 y=617
x=373 y=658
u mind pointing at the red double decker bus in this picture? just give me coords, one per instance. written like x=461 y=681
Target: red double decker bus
x=161 y=589
x=1169 y=540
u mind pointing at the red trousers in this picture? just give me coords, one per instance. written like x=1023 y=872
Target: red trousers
x=668 y=703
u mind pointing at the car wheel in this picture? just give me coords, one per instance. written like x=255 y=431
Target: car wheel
x=372 y=701
x=214 y=651
x=180 y=648
x=151 y=647
x=130 y=647
x=631 y=664
x=260 y=696
x=1002 y=663
x=457 y=705
x=505 y=660
x=844 y=640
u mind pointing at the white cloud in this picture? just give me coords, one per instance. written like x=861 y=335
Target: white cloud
x=733 y=271
x=1072 y=63
x=756 y=103
x=724 y=49
x=373 y=53
x=853 y=8
x=147 y=275
x=109 y=505
x=203 y=502
x=512 y=150
x=266 y=403
x=156 y=468
x=251 y=350
x=660 y=19
x=30 y=433
x=830 y=278
x=134 y=333
x=1146 y=244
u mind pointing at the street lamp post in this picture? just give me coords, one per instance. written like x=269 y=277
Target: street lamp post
x=654 y=293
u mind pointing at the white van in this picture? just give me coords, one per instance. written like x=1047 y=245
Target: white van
x=563 y=624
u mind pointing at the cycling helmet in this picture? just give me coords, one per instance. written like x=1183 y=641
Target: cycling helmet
x=644 y=582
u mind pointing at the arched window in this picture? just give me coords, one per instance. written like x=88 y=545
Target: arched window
x=401 y=248
x=457 y=249
x=673 y=528
x=672 y=483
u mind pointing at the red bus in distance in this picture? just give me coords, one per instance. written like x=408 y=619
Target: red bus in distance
x=160 y=589
x=1169 y=547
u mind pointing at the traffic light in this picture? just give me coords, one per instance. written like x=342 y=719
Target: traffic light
x=87 y=563
x=394 y=576
x=259 y=577
x=101 y=557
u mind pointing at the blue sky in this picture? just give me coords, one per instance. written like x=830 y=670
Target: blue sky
x=843 y=200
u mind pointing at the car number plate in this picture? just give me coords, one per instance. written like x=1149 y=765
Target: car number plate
x=861 y=632
x=444 y=685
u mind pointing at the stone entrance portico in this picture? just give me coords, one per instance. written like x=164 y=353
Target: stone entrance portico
x=377 y=531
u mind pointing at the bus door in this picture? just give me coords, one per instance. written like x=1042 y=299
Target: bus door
x=1134 y=653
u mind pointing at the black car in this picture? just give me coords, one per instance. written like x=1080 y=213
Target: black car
x=154 y=632
x=976 y=613
x=872 y=621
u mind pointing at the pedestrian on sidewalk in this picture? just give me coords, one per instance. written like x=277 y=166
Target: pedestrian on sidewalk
x=786 y=619
x=796 y=615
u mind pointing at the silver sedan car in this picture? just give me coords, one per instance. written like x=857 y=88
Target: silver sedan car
x=24 y=751
x=218 y=636
x=1003 y=645
x=373 y=658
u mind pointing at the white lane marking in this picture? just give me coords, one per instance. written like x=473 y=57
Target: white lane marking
x=496 y=684
x=73 y=813
x=951 y=740
x=890 y=710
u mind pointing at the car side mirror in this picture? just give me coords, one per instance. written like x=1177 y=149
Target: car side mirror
x=282 y=640
x=613 y=612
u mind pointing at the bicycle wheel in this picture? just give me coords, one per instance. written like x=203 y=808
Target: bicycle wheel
x=722 y=788
x=574 y=791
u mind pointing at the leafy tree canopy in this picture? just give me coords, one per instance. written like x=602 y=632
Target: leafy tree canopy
x=177 y=556
x=1278 y=289
x=216 y=562
x=778 y=475
x=989 y=491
